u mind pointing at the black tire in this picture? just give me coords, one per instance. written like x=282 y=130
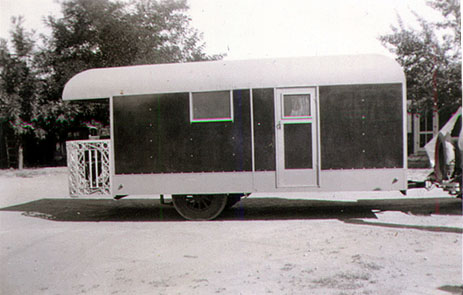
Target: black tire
x=199 y=207
x=233 y=199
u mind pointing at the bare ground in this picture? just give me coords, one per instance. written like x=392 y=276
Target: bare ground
x=52 y=244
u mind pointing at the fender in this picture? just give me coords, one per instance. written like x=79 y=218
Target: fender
x=444 y=157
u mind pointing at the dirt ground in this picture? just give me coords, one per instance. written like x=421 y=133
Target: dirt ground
x=53 y=244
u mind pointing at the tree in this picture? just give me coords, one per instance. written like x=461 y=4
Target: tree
x=18 y=84
x=431 y=58
x=103 y=33
x=90 y=34
x=450 y=9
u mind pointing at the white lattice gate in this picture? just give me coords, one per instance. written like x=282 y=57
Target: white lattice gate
x=89 y=167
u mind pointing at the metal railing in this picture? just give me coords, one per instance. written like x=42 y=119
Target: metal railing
x=89 y=167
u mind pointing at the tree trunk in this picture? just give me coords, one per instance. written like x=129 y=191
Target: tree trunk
x=20 y=157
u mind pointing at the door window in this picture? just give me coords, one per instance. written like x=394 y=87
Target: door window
x=296 y=106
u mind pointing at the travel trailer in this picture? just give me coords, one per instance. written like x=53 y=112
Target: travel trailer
x=210 y=132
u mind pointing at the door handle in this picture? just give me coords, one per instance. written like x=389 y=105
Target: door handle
x=279 y=125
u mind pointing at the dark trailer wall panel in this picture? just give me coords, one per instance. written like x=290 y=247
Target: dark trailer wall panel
x=264 y=129
x=361 y=126
x=153 y=134
x=298 y=156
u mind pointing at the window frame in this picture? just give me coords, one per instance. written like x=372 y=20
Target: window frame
x=301 y=117
x=211 y=119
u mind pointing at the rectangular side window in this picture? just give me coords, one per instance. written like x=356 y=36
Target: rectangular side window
x=213 y=106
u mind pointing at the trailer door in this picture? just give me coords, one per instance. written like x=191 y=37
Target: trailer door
x=296 y=137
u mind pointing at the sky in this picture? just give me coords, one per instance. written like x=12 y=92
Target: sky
x=248 y=29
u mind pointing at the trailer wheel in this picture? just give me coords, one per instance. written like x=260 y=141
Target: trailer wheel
x=199 y=207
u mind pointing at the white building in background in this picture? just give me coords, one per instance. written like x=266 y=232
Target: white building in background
x=421 y=129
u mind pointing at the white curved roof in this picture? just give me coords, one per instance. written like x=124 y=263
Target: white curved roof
x=228 y=75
